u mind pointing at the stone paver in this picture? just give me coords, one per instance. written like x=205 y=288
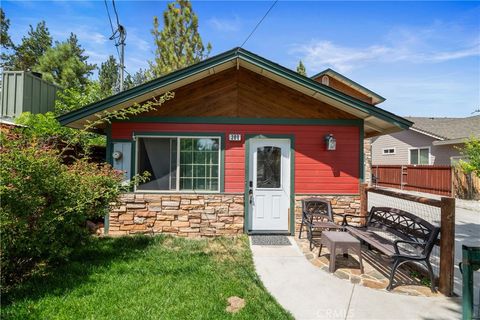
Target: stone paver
x=376 y=270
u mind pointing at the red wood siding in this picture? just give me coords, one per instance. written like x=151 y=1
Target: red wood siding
x=317 y=171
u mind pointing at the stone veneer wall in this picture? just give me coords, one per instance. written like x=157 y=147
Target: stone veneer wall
x=367 y=159
x=340 y=204
x=205 y=215
x=186 y=215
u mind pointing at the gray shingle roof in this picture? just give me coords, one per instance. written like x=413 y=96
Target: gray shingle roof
x=448 y=128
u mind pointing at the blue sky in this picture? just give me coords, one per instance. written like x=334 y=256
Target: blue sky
x=424 y=57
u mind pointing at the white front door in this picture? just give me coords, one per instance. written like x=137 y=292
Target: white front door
x=269 y=184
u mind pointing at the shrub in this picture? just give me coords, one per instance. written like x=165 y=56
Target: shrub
x=471 y=152
x=45 y=127
x=45 y=204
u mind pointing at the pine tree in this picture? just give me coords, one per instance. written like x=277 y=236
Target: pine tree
x=178 y=44
x=138 y=78
x=65 y=64
x=108 y=76
x=5 y=41
x=31 y=49
x=301 y=69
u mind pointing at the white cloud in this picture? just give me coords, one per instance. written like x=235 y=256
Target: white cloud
x=225 y=25
x=136 y=42
x=318 y=54
x=427 y=45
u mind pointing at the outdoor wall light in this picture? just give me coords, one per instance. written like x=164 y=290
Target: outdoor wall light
x=117 y=155
x=330 y=142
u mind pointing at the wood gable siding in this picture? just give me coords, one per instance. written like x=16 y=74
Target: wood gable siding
x=243 y=93
x=342 y=87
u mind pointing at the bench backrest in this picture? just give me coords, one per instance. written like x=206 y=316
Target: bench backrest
x=404 y=225
x=317 y=208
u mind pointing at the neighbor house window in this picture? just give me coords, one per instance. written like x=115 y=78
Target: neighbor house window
x=420 y=156
x=388 y=151
x=179 y=163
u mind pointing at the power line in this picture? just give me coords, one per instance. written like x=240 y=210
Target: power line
x=115 y=10
x=112 y=37
x=120 y=34
x=259 y=22
x=109 y=18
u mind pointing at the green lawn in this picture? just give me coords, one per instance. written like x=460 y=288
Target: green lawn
x=147 y=278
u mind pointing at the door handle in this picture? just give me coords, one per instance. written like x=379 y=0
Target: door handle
x=250 y=195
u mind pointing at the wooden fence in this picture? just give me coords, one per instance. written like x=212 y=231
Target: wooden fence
x=429 y=179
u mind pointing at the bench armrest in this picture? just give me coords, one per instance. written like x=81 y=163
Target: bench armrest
x=397 y=251
x=345 y=216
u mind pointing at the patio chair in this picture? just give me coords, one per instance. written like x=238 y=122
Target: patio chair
x=317 y=215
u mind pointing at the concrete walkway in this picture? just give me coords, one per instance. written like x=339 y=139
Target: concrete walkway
x=310 y=293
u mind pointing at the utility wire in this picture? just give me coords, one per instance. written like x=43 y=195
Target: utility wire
x=113 y=37
x=259 y=22
x=109 y=18
x=116 y=13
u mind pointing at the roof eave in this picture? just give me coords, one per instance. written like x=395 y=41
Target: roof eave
x=223 y=58
x=375 y=96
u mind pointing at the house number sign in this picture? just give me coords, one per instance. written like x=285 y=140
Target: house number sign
x=234 y=137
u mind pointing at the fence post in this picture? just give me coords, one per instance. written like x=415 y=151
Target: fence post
x=363 y=202
x=447 y=246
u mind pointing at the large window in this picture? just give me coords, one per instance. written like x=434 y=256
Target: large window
x=180 y=163
x=420 y=156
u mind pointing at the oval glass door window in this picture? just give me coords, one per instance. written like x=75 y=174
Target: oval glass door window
x=269 y=167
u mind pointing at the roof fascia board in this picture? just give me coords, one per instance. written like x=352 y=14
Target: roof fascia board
x=332 y=93
x=451 y=141
x=427 y=133
x=224 y=58
x=146 y=87
x=350 y=82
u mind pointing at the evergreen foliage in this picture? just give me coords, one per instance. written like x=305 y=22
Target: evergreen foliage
x=66 y=64
x=301 y=68
x=31 y=49
x=5 y=40
x=138 y=78
x=108 y=76
x=178 y=44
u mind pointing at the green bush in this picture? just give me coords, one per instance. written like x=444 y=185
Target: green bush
x=45 y=205
x=471 y=151
x=45 y=127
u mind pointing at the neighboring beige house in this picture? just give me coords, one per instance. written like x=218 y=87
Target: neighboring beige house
x=430 y=141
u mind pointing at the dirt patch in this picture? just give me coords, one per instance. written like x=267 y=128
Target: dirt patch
x=235 y=304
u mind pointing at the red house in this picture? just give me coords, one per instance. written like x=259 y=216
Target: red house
x=242 y=142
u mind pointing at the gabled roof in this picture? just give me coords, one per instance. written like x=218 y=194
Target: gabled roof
x=376 y=120
x=376 y=98
x=447 y=129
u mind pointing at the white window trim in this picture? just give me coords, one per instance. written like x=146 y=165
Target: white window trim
x=418 y=148
x=177 y=190
x=389 y=154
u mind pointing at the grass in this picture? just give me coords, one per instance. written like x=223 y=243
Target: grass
x=147 y=278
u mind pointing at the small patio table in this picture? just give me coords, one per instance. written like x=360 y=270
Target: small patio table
x=334 y=240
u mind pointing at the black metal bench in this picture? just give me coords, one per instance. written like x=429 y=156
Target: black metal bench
x=400 y=235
